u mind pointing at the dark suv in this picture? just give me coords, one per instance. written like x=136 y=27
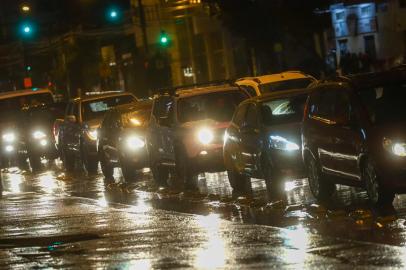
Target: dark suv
x=264 y=139
x=122 y=139
x=354 y=133
x=78 y=133
x=187 y=129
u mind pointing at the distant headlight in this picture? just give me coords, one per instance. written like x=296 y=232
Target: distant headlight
x=9 y=137
x=281 y=143
x=38 y=135
x=396 y=148
x=135 y=143
x=205 y=136
x=92 y=134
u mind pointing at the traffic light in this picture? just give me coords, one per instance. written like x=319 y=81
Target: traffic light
x=26 y=29
x=113 y=14
x=164 y=38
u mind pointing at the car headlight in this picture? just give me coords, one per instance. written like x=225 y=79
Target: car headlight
x=396 y=148
x=135 y=143
x=281 y=143
x=38 y=135
x=9 y=137
x=205 y=136
x=92 y=134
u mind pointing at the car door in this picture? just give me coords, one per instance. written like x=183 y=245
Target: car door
x=249 y=134
x=104 y=130
x=321 y=129
x=72 y=128
x=233 y=140
x=347 y=138
x=114 y=136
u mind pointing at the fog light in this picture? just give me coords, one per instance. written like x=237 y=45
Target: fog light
x=9 y=137
x=38 y=134
x=9 y=148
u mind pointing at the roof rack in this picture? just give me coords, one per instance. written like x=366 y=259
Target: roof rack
x=173 y=90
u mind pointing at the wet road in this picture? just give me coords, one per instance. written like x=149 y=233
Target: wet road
x=332 y=228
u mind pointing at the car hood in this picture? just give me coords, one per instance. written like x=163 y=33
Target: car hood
x=209 y=123
x=291 y=131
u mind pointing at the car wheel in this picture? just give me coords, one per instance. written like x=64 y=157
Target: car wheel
x=35 y=162
x=378 y=196
x=106 y=167
x=160 y=174
x=240 y=183
x=129 y=173
x=319 y=186
x=22 y=162
x=272 y=176
x=68 y=161
x=184 y=171
x=89 y=162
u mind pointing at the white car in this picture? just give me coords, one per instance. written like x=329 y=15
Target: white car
x=257 y=86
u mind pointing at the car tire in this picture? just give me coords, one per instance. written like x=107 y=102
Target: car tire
x=35 y=162
x=160 y=174
x=106 y=167
x=184 y=171
x=240 y=183
x=22 y=162
x=129 y=173
x=89 y=163
x=68 y=161
x=321 y=188
x=377 y=194
x=272 y=176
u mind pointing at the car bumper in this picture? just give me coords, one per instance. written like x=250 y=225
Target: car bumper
x=290 y=164
x=138 y=159
x=209 y=161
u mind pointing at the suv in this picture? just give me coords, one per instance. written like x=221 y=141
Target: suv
x=78 y=133
x=354 y=134
x=26 y=127
x=264 y=139
x=187 y=129
x=257 y=86
x=122 y=137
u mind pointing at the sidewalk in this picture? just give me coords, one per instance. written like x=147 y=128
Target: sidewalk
x=38 y=231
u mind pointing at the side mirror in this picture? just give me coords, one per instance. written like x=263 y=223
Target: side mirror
x=71 y=118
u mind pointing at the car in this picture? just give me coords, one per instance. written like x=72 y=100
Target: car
x=26 y=127
x=264 y=140
x=354 y=134
x=186 y=132
x=288 y=80
x=122 y=139
x=78 y=132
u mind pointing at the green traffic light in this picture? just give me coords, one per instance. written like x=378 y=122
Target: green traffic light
x=163 y=38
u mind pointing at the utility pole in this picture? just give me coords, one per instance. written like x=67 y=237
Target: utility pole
x=143 y=25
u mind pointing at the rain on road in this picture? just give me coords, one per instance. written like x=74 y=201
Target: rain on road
x=338 y=231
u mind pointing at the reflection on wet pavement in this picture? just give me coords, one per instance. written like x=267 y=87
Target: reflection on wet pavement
x=347 y=216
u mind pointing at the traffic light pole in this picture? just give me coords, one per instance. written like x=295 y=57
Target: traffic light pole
x=143 y=26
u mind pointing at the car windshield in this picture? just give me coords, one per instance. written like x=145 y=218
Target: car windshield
x=94 y=109
x=137 y=118
x=283 y=111
x=284 y=85
x=9 y=106
x=385 y=103
x=218 y=106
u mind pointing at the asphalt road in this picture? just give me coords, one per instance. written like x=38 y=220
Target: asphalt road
x=51 y=219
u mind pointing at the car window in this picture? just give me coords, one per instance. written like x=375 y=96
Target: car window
x=161 y=106
x=250 y=90
x=239 y=116
x=94 y=109
x=283 y=110
x=106 y=121
x=138 y=118
x=218 y=106
x=325 y=105
x=251 y=117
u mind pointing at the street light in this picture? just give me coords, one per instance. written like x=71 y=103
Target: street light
x=25 y=8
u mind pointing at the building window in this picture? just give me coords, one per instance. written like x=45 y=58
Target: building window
x=340 y=15
x=366 y=11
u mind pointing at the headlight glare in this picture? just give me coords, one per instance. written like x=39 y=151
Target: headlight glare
x=92 y=134
x=135 y=143
x=9 y=137
x=281 y=143
x=205 y=136
x=396 y=148
x=38 y=135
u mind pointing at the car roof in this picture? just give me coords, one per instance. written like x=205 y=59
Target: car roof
x=26 y=92
x=135 y=106
x=279 y=94
x=374 y=79
x=101 y=96
x=206 y=90
x=283 y=76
